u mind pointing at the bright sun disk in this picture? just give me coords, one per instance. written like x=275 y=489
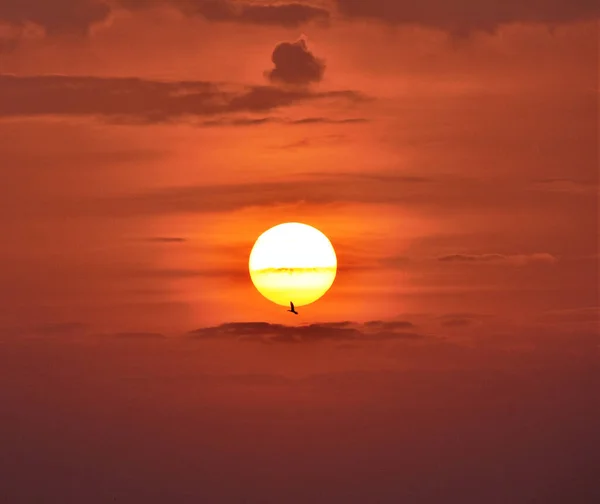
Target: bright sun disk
x=292 y=262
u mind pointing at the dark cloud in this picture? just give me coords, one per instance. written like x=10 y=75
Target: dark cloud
x=329 y=331
x=165 y=239
x=295 y=64
x=465 y=16
x=389 y=324
x=286 y=14
x=260 y=121
x=515 y=259
x=289 y=15
x=452 y=194
x=59 y=17
x=325 y=120
x=277 y=333
x=131 y=100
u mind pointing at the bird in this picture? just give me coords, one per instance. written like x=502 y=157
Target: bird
x=293 y=310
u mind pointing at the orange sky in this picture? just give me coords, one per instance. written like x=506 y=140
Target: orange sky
x=448 y=149
x=405 y=142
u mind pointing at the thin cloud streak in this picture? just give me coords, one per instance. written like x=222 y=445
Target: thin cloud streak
x=77 y=17
x=451 y=193
x=265 y=332
x=515 y=259
x=142 y=101
x=463 y=17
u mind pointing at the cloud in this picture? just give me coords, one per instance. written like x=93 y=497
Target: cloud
x=573 y=315
x=564 y=185
x=56 y=17
x=286 y=14
x=466 y=16
x=260 y=121
x=515 y=259
x=389 y=324
x=295 y=64
x=278 y=333
x=132 y=100
x=449 y=193
x=325 y=120
x=165 y=239
x=76 y=17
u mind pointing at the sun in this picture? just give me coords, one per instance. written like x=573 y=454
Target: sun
x=292 y=262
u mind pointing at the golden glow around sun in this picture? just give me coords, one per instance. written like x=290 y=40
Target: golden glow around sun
x=292 y=262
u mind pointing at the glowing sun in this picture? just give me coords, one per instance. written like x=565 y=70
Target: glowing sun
x=292 y=262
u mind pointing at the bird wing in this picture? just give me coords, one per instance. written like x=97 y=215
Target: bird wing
x=292 y=305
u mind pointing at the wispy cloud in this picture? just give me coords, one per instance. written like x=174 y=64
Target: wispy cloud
x=141 y=101
x=453 y=194
x=565 y=185
x=165 y=239
x=261 y=121
x=334 y=331
x=289 y=14
x=76 y=17
x=514 y=259
x=466 y=16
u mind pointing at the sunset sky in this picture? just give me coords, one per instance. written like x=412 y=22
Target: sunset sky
x=448 y=149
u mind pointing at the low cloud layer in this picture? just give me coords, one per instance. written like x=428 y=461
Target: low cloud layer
x=59 y=17
x=515 y=259
x=78 y=16
x=465 y=16
x=314 y=189
x=143 y=101
x=56 y=17
x=287 y=14
x=335 y=331
x=295 y=64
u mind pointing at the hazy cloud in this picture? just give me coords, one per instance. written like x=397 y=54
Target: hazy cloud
x=286 y=14
x=295 y=64
x=389 y=324
x=132 y=100
x=564 y=185
x=515 y=259
x=330 y=331
x=465 y=16
x=450 y=193
x=573 y=315
x=165 y=239
x=58 y=17
x=260 y=121
x=325 y=120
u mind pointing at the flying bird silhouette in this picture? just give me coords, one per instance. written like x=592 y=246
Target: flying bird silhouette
x=293 y=310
